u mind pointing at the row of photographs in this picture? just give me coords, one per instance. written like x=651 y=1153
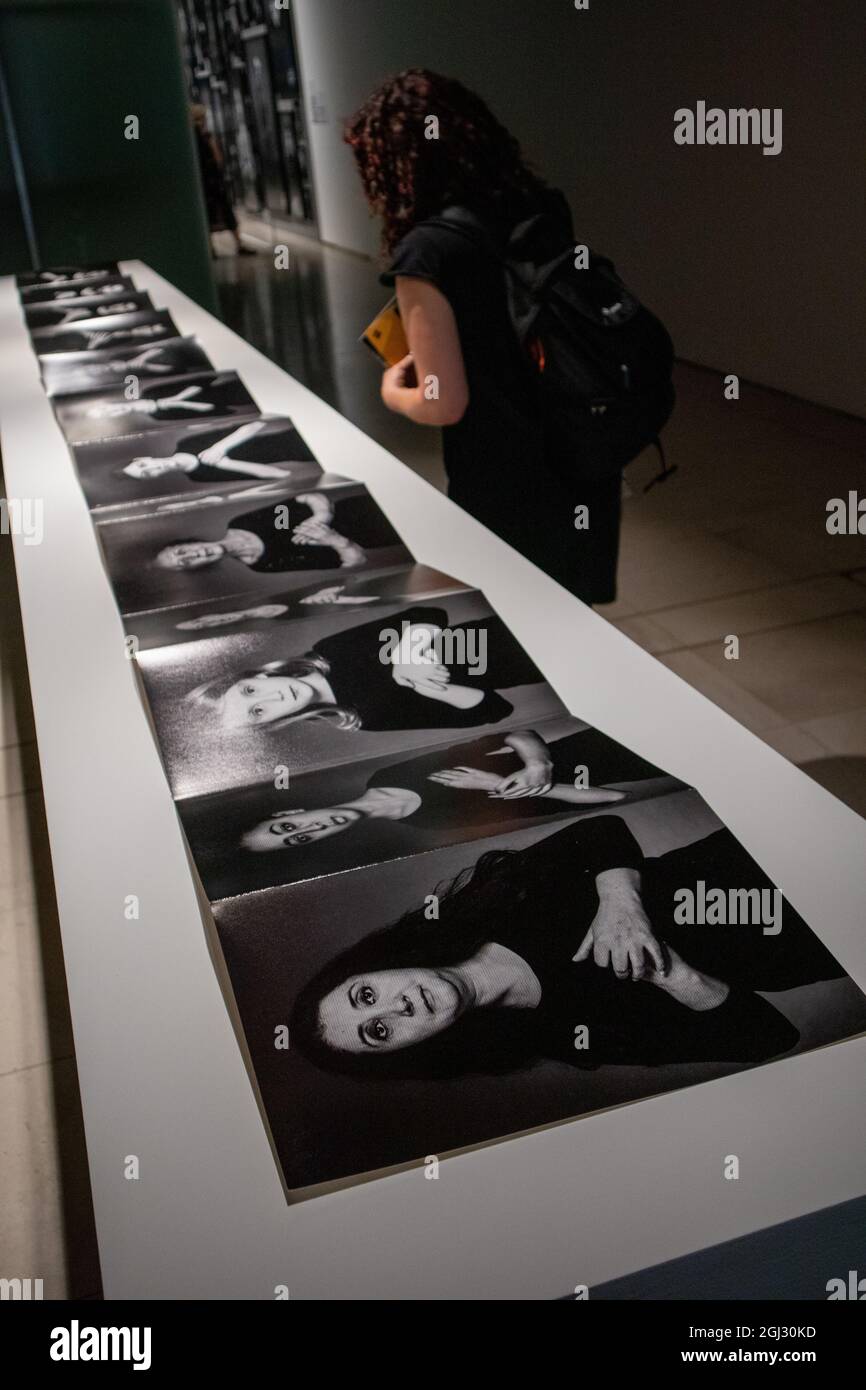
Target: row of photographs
x=447 y=904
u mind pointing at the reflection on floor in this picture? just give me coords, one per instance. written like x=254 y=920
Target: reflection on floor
x=735 y=544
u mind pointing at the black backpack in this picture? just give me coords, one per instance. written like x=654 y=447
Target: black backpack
x=602 y=362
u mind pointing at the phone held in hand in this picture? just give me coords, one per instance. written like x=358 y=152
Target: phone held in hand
x=386 y=335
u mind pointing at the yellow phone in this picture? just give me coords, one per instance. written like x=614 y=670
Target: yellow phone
x=386 y=335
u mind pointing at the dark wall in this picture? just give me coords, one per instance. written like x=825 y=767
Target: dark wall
x=75 y=70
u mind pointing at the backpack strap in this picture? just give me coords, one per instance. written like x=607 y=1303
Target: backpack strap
x=666 y=471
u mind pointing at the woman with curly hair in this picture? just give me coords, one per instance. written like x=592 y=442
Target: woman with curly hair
x=502 y=465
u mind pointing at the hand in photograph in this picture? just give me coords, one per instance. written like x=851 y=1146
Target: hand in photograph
x=310 y=531
x=146 y=361
x=153 y=405
x=428 y=792
x=621 y=935
x=263 y=611
x=101 y=337
x=490 y=991
x=345 y=681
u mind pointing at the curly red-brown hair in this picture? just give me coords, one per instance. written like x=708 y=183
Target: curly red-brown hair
x=409 y=176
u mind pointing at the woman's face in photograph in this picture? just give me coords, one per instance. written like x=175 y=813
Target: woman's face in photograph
x=190 y=555
x=260 y=700
x=291 y=829
x=390 y=1009
x=144 y=467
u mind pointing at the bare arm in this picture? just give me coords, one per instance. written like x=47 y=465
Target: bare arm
x=430 y=386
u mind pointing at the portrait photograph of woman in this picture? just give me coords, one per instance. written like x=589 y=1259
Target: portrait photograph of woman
x=154 y=403
x=346 y=592
x=58 y=275
x=115 y=331
x=64 y=373
x=72 y=291
x=60 y=313
x=371 y=810
x=331 y=688
x=463 y=996
x=193 y=458
x=254 y=540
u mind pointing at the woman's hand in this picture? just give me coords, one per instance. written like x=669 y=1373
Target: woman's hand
x=468 y=779
x=421 y=674
x=621 y=934
x=215 y=455
x=312 y=532
x=399 y=383
x=535 y=779
x=331 y=594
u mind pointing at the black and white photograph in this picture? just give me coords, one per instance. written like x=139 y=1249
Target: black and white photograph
x=329 y=689
x=433 y=780
x=152 y=404
x=470 y=994
x=73 y=290
x=114 y=331
x=272 y=608
x=65 y=373
x=371 y=810
x=188 y=459
x=60 y=314
x=256 y=540
x=57 y=275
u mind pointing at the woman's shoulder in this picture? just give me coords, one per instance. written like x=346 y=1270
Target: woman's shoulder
x=430 y=251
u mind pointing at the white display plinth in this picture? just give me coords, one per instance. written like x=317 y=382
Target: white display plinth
x=160 y=1069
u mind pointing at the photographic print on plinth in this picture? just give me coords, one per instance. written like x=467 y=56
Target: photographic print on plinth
x=180 y=460
x=102 y=368
x=144 y=404
x=74 y=290
x=65 y=274
x=114 y=331
x=60 y=314
x=257 y=540
x=423 y=1006
x=286 y=602
x=331 y=688
x=370 y=810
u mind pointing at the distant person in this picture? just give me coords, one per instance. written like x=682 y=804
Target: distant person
x=507 y=459
x=218 y=204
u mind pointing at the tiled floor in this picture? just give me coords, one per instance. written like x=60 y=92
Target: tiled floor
x=735 y=544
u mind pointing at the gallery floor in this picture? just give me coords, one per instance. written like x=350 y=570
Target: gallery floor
x=735 y=544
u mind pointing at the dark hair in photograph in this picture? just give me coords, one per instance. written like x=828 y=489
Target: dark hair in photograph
x=407 y=177
x=485 y=1041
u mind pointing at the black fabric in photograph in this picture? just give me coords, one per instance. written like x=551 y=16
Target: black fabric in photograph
x=65 y=274
x=345 y=592
x=60 y=314
x=196 y=396
x=232 y=708
x=174 y=460
x=66 y=372
x=73 y=291
x=365 y=812
x=115 y=331
x=583 y=1041
x=167 y=554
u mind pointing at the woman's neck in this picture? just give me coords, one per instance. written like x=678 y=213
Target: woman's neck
x=500 y=978
x=318 y=683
